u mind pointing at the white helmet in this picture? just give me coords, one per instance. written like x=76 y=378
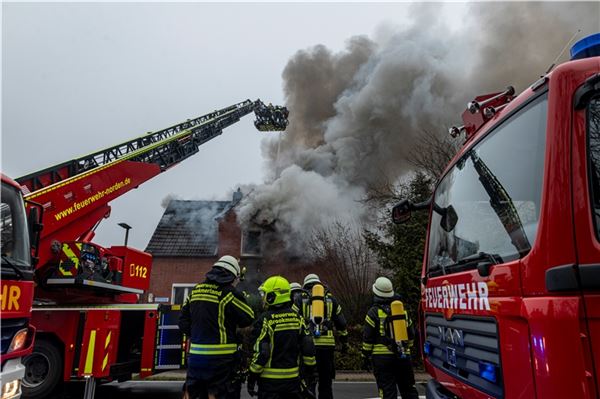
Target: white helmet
x=311 y=279
x=295 y=286
x=383 y=288
x=229 y=263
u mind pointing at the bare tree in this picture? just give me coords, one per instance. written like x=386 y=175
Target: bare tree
x=348 y=264
x=433 y=152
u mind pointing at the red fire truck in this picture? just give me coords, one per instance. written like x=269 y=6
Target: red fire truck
x=16 y=284
x=89 y=323
x=511 y=274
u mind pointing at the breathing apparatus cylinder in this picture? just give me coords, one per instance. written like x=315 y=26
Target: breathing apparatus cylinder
x=318 y=306
x=399 y=325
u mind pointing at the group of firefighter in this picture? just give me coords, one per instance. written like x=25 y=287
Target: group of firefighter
x=293 y=339
x=269 y=117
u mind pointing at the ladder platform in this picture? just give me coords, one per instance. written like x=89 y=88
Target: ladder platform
x=72 y=282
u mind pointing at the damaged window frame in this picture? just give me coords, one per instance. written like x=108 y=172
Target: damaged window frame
x=250 y=252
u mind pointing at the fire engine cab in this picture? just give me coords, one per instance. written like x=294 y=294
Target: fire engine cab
x=511 y=274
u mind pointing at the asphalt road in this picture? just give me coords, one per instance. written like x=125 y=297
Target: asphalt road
x=172 y=390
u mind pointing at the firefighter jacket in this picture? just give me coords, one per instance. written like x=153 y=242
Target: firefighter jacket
x=333 y=317
x=211 y=314
x=282 y=346
x=377 y=335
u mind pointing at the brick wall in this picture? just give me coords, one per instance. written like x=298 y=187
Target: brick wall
x=230 y=235
x=167 y=271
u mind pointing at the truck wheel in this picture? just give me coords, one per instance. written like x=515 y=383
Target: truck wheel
x=43 y=369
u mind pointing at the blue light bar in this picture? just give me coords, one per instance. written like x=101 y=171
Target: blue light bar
x=427 y=348
x=487 y=371
x=587 y=47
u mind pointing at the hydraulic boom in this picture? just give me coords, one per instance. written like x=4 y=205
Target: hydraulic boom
x=76 y=194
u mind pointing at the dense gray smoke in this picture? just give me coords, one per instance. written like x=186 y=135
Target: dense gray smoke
x=355 y=115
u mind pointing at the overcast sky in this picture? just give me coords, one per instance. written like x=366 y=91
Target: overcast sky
x=79 y=77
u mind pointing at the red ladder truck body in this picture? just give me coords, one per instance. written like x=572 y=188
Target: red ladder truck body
x=16 y=286
x=511 y=274
x=89 y=322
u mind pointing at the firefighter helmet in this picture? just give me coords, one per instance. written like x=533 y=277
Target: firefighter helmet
x=276 y=290
x=310 y=280
x=295 y=286
x=230 y=264
x=383 y=288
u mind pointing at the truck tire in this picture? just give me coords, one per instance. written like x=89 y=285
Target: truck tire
x=43 y=370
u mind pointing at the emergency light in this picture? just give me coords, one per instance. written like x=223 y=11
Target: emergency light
x=427 y=348
x=587 y=47
x=487 y=371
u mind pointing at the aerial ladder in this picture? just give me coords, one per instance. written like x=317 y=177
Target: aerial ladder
x=83 y=289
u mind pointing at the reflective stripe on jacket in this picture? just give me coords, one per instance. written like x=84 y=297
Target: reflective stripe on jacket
x=283 y=344
x=210 y=316
x=377 y=335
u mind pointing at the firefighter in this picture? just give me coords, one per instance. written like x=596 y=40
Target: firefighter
x=296 y=290
x=284 y=351
x=209 y=317
x=321 y=327
x=392 y=364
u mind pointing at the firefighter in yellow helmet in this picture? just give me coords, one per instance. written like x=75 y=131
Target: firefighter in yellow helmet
x=316 y=298
x=386 y=346
x=284 y=350
x=209 y=317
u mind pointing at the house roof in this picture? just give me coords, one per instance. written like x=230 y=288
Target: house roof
x=188 y=229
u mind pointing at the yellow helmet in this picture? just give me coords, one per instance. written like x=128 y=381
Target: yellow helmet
x=275 y=290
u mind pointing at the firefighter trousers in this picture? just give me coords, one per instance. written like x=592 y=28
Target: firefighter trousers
x=325 y=371
x=394 y=374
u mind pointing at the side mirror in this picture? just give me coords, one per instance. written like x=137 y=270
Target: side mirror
x=401 y=212
x=449 y=219
x=34 y=224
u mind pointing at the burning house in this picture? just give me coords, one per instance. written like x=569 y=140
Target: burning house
x=192 y=235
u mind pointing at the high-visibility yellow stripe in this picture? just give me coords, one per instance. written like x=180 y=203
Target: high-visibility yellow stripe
x=369 y=321
x=287 y=326
x=105 y=362
x=213 y=349
x=71 y=255
x=107 y=340
x=221 y=318
x=243 y=307
x=89 y=358
x=309 y=360
x=276 y=373
x=367 y=347
x=380 y=349
x=206 y=298
x=256 y=368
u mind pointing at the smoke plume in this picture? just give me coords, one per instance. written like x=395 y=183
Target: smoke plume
x=355 y=114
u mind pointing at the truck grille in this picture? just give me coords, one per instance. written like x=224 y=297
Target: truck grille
x=8 y=330
x=467 y=348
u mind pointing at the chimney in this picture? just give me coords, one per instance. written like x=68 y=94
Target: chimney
x=237 y=197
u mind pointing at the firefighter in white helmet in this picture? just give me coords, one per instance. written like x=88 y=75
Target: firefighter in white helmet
x=209 y=317
x=385 y=346
x=323 y=314
x=296 y=290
